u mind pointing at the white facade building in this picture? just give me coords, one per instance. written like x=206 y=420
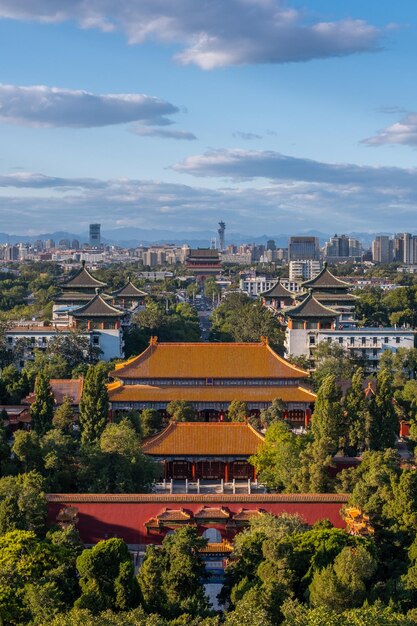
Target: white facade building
x=367 y=343
x=303 y=269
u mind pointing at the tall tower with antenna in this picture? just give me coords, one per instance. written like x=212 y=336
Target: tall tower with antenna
x=221 y=232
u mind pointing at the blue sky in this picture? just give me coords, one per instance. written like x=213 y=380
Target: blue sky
x=278 y=117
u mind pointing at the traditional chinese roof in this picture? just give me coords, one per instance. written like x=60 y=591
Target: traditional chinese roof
x=310 y=307
x=61 y=387
x=245 y=515
x=325 y=280
x=129 y=291
x=278 y=291
x=202 y=438
x=173 y=515
x=209 y=512
x=224 y=547
x=208 y=360
x=83 y=279
x=203 y=253
x=337 y=298
x=118 y=392
x=72 y=296
x=97 y=307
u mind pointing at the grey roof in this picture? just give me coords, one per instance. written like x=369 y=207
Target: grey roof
x=97 y=307
x=310 y=307
x=82 y=279
x=129 y=291
x=73 y=296
x=278 y=291
x=326 y=280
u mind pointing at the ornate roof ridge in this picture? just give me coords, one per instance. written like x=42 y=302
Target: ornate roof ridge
x=129 y=284
x=278 y=284
x=334 y=281
x=213 y=498
x=321 y=309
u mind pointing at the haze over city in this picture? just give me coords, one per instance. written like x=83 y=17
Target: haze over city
x=278 y=117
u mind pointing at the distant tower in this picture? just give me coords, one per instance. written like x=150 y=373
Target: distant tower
x=95 y=237
x=221 y=235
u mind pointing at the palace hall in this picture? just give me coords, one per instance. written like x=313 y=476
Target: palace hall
x=210 y=376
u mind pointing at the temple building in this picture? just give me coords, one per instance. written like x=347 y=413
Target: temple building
x=278 y=297
x=334 y=293
x=210 y=376
x=84 y=307
x=128 y=297
x=195 y=450
x=203 y=262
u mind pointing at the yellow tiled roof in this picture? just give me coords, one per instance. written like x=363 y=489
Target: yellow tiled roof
x=208 y=360
x=201 y=438
x=207 y=393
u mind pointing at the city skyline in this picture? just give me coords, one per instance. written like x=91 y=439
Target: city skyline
x=276 y=117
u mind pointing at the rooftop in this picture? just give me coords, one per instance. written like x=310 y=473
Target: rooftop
x=83 y=279
x=278 y=291
x=207 y=393
x=310 y=307
x=208 y=360
x=61 y=387
x=97 y=307
x=202 y=438
x=129 y=291
x=326 y=280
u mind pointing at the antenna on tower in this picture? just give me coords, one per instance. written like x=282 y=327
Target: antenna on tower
x=221 y=232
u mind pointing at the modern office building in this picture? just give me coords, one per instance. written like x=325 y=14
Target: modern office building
x=303 y=248
x=95 y=235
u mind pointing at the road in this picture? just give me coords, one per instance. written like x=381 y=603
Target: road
x=204 y=312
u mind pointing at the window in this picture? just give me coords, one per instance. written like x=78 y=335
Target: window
x=386 y=339
x=397 y=339
x=9 y=339
x=96 y=340
x=374 y=352
x=312 y=340
x=329 y=340
x=364 y=341
x=352 y=341
x=375 y=341
x=340 y=340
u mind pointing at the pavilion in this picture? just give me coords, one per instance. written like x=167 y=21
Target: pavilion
x=210 y=376
x=196 y=450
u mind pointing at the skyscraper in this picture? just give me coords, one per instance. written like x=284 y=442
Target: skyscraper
x=95 y=237
x=303 y=248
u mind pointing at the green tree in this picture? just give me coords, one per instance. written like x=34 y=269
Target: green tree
x=107 y=577
x=238 y=411
x=277 y=459
x=150 y=421
x=94 y=405
x=27 y=449
x=328 y=420
x=342 y=585
x=273 y=413
x=42 y=409
x=181 y=411
x=355 y=405
x=171 y=576
x=22 y=503
x=64 y=416
x=384 y=426
x=332 y=359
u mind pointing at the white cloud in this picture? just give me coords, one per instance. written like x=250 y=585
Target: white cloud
x=287 y=204
x=43 y=106
x=147 y=131
x=241 y=164
x=403 y=132
x=213 y=34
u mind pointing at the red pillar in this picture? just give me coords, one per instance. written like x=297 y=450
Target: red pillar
x=226 y=472
x=165 y=470
x=307 y=417
x=193 y=470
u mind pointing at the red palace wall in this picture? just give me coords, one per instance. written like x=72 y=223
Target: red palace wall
x=105 y=516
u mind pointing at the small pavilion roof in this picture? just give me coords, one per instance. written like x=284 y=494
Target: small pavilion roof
x=118 y=392
x=326 y=280
x=129 y=291
x=97 y=307
x=208 y=360
x=72 y=296
x=204 y=438
x=278 y=291
x=83 y=279
x=310 y=307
